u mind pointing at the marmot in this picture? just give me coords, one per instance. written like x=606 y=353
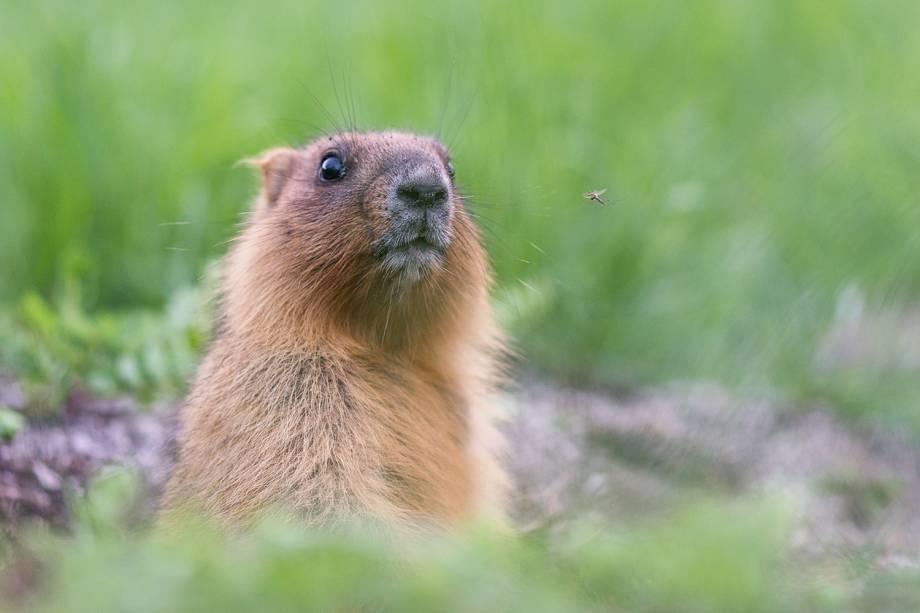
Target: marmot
x=355 y=352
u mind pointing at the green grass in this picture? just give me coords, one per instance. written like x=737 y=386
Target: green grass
x=709 y=556
x=149 y=354
x=762 y=157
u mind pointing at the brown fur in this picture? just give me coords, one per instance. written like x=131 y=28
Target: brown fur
x=333 y=387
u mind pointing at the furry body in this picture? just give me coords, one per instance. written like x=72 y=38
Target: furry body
x=352 y=371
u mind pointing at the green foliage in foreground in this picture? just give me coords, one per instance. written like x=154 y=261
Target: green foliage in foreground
x=762 y=157
x=56 y=347
x=711 y=556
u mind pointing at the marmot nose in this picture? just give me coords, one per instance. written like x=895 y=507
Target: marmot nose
x=422 y=192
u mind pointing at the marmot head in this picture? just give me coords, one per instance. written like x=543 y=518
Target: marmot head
x=363 y=232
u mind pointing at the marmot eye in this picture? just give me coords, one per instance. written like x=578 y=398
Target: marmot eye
x=450 y=169
x=332 y=168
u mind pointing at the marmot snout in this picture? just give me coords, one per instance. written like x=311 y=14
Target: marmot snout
x=355 y=357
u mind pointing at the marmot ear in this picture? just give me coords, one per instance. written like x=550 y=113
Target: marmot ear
x=277 y=166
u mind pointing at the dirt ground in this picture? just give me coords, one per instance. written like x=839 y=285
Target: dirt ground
x=573 y=453
x=854 y=491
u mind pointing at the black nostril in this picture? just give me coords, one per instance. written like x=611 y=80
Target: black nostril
x=422 y=193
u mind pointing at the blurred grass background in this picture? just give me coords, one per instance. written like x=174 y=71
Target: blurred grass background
x=761 y=157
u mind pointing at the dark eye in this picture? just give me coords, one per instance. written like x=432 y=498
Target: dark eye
x=450 y=169
x=332 y=168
